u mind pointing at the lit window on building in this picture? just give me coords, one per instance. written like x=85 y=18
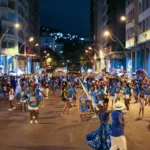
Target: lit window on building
x=82 y=39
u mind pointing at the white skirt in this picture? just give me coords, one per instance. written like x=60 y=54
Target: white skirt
x=142 y=103
x=32 y=108
x=127 y=96
x=117 y=95
x=23 y=100
x=11 y=97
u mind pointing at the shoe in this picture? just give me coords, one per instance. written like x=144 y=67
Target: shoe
x=95 y=116
x=62 y=115
x=31 y=121
x=10 y=109
x=36 y=121
x=33 y=117
x=14 y=108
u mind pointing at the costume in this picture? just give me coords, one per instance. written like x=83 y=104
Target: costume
x=100 y=139
x=118 y=140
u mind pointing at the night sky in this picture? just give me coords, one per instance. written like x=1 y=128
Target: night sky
x=70 y=16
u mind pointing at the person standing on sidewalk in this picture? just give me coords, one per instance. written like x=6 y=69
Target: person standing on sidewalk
x=118 y=140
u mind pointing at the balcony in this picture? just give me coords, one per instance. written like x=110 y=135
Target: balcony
x=11 y=4
x=3 y=4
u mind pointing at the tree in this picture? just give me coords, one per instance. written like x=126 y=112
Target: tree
x=73 y=51
x=48 y=58
x=85 y=62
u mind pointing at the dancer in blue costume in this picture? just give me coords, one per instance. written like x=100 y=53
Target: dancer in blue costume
x=100 y=139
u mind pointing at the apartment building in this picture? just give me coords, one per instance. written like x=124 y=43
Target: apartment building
x=15 y=41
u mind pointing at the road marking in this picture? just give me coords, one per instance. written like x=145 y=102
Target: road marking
x=71 y=139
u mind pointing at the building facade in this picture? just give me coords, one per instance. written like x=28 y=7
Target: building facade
x=59 y=48
x=48 y=41
x=138 y=33
x=105 y=15
x=26 y=13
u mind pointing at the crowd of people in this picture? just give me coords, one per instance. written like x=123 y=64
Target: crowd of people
x=101 y=95
x=98 y=93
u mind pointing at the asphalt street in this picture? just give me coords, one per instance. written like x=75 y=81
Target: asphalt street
x=55 y=132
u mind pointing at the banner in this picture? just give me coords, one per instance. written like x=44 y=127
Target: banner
x=89 y=96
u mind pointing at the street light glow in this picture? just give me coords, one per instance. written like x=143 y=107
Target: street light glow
x=36 y=44
x=86 y=51
x=90 y=48
x=17 y=25
x=123 y=18
x=31 y=39
x=106 y=33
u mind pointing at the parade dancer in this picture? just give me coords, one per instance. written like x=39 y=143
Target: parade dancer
x=112 y=94
x=72 y=92
x=17 y=92
x=23 y=98
x=141 y=101
x=33 y=103
x=65 y=99
x=117 y=92
x=11 y=98
x=136 y=91
x=127 y=96
x=41 y=95
x=118 y=140
x=147 y=95
x=47 y=89
x=100 y=139
x=83 y=109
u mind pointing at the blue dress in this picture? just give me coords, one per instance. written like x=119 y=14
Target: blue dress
x=100 y=139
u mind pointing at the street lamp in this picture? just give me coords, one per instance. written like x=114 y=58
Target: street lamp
x=90 y=48
x=95 y=50
x=86 y=51
x=36 y=45
x=31 y=39
x=123 y=18
x=17 y=25
x=106 y=33
x=112 y=36
x=135 y=26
